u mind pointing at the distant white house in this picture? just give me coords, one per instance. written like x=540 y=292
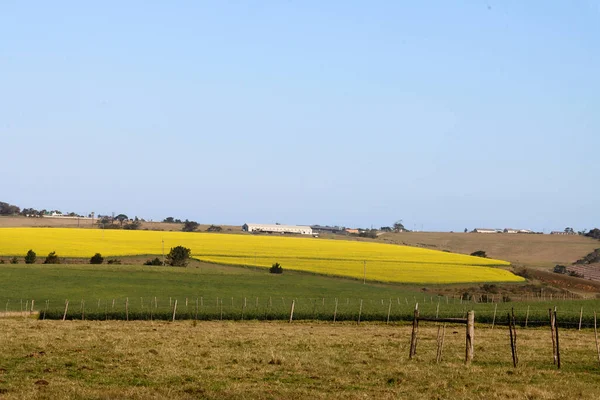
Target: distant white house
x=486 y=230
x=511 y=230
x=275 y=228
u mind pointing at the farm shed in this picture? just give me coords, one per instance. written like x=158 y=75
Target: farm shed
x=275 y=228
x=486 y=230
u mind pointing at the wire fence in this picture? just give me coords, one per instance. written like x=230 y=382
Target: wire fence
x=571 y=314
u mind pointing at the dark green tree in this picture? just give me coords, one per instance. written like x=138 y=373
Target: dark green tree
x=52 y=258
x=122 y=218
x=479 y=253
x=30 y=257
x=190 y=226
x=97 y=259
x=179 y=256
x=276 y=269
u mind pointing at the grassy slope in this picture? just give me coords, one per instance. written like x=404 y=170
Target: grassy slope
x=213 y=360
x=314 y=294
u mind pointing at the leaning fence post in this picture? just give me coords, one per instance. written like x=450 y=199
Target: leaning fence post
x=513 y=340
x=292 y=310
x=174 y=310
x=470 y=336
x=127 y=308
x=440 y=343
x=580 y=317
x=494 y=319
x=389 y=310
x=413 y=336
x=527 y=317
x=66 y=309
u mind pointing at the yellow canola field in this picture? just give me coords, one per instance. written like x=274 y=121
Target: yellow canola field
x=384 y=262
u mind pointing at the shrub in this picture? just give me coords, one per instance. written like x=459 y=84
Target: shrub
x=178 y=256
x=30 y=257
x=154 y=262
x=560 y=269
x=1 y=261
x=575 y=274
x=479 y=253
x=52 y=258
x=276 y=269
x=14 y=260
x=214 y=228
x=114 y=261
x=97 y=259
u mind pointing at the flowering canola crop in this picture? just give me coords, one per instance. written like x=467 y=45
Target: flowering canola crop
x=382 y=262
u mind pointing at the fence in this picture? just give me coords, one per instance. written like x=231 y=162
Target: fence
x=573 y=314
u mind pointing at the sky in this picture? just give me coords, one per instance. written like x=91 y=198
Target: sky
x=445 y=115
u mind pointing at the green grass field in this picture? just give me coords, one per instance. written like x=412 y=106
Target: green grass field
x=211 y=292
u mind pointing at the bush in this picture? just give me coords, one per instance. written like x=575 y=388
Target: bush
x=276 y=269
x=479 y=253
x=1 y=261
x=30 y=257
x=560 y=269
x=14 y=260
x=154 y=262
x=178 y=256
x=214 y=228
x=52 y=258
x=97 y=259
x=114 y=261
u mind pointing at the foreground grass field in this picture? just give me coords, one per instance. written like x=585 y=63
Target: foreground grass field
x=214 y=360
x=375 y=261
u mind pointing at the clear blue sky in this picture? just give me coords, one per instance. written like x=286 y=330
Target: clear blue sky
x=447 y=115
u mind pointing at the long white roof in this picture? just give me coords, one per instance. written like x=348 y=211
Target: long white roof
x=273 y=226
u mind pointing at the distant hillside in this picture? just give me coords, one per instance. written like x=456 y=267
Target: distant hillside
x=18 y=221
x=520 y=249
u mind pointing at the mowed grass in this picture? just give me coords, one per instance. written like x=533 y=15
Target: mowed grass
x=261 y=360
x=382 y=262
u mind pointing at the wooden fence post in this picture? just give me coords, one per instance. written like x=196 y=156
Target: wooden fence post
x=553 y=335
x=415 y=330
x=292 y=311
x=527 y=317
x=66 y=309
x=557 y=342
x=360 y=311
x=596 y=335
x=470 y=348
x=389 y=310
x=440 y=343
x=580 y=318
x=335 y=309
x=494 y=319
x=174 y=310
x=127 y=308
x=513 y=339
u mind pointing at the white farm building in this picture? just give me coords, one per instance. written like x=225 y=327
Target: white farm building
x=276 y=228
